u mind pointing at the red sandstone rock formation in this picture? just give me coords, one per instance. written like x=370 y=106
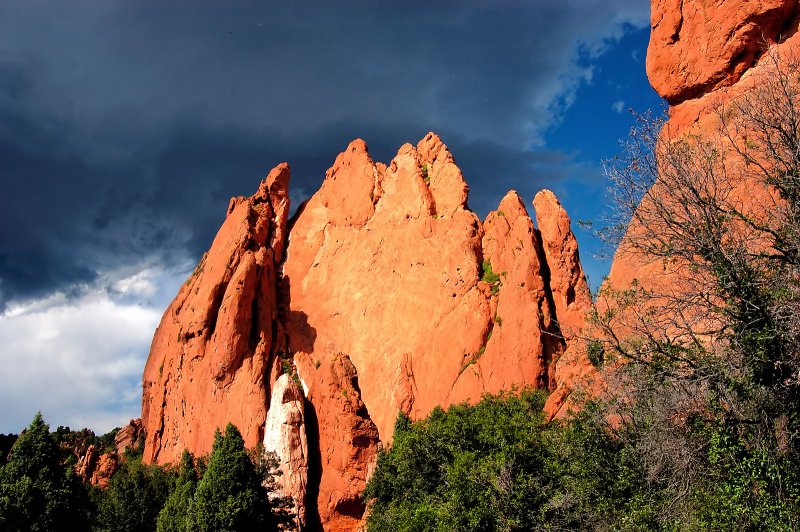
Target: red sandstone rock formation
x=701 y=55
x=345 y=445
x=697 y=47
x=571 y=298
x=392 y=296
x=213 y=348
x=521 y=340
x=129 y=436
x=96 y=468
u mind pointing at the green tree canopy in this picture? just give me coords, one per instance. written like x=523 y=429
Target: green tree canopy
x=37 y=492
x=174 y=516
x=230 y=496
x=498 y=466
x=134 y=497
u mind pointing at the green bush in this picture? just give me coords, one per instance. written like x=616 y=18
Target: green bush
x=174 y=516
x=488 y=276
x=498 y=466
x=134 y=497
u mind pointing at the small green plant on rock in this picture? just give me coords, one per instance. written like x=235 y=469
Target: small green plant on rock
x=491 y=278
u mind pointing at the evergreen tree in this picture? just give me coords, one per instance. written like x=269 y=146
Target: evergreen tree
x=37 y=492
x=230 y=496
x=134 y=497
x=175 y=513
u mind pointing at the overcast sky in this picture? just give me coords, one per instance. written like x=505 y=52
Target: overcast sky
x=126 y=126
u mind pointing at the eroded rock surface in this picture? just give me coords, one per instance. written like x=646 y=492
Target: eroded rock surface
x=212 y=350
x=129 y=437
x=703 y=55
x=345 y=445
x=96 y=467
x=698 y=46
x=521 y=340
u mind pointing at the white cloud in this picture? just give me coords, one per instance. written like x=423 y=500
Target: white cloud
x=618 y=106
x=80 y=360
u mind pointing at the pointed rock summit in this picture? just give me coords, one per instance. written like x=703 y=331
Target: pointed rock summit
x=212 y=352
x=385 y=295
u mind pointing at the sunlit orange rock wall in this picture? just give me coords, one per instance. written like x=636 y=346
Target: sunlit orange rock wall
x=211 y=353
x=701 y=55
x=384 y=294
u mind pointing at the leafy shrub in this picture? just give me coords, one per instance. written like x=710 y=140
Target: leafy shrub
x=498 y=466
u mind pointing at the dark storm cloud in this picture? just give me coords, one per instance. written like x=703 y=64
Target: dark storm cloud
x=125 y=126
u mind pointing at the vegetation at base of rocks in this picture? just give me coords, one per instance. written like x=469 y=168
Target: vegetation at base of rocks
x=37 y=491
x=711 y=350
x=231 y=489
x=230 y=495
x=133 y=498
x=498 y=465
x=174 y=514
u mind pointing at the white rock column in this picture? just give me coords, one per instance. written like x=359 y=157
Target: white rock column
x=285 y=435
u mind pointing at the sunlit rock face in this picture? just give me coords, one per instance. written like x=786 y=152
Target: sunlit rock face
x=384 y=294
x=703 y=55
x=210 y=356
x=697 y=47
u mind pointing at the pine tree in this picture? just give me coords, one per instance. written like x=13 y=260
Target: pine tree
x=230 y=496
x=37 y=492
x=174 y=517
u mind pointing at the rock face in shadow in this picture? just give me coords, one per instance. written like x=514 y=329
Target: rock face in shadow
x=572 y=300
x=97 y=466
x=387 y=294
x=346 y=440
